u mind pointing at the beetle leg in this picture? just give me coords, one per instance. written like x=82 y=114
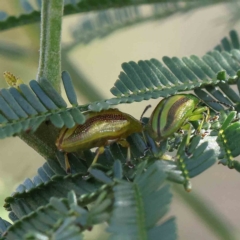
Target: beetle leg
x=124 y=143
x=144 y=111
x=99 y=151
x=201 y=110
x=67 y=164
x=199 y=114
x=196 y=118
x=187 y=127
x=148 y=148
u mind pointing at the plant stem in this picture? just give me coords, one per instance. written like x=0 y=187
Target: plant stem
x=43 y=140
x=50 y=45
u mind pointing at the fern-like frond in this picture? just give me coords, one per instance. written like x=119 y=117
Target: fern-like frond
x=228 y=140
x=229 y=43
x=32 y=15
x=195 y=159
x=24 y=109
x=145 y=194
x=104 y=23
x=52 y=176
x=60 y=219
x=222 y=92
x=4 y=225
x=15 y=21
x=27 y=109
x=189 y=161
x=152 y=79
x=138 y=207
x=30 y=195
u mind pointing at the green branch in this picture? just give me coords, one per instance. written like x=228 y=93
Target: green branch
x=50 y=46
x=43 y=140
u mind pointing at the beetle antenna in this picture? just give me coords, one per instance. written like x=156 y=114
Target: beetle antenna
x=144 y=111
x=144 y=136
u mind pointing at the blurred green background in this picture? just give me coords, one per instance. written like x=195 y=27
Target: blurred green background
x=180 y=35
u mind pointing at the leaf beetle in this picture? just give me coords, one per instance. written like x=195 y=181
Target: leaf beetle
x=174 y=113
x=100 y=129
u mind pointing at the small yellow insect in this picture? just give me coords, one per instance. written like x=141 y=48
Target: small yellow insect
x=11 y=80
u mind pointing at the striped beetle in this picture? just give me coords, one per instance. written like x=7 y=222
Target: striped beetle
x=100 y=129
x=174 y=113
x=108 y=126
